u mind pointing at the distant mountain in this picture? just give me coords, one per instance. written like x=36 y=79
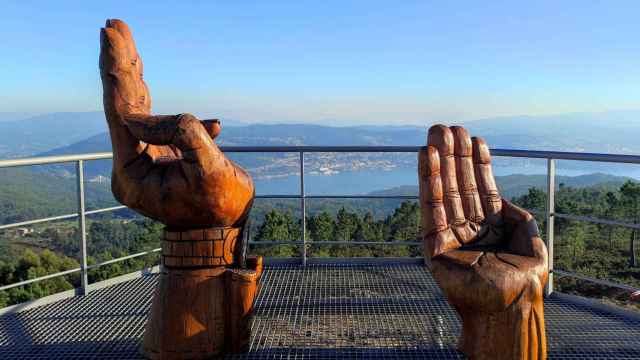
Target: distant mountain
x=27 y=134
x=279 y=135
x=602 y=132
x=307 y=134
x=15 y=116
x=608 y=132
x=517 y=185
x=44 y=132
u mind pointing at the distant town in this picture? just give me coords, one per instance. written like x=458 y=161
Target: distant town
x=331 y=164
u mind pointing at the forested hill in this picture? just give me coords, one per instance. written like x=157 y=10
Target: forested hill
x=27 y=195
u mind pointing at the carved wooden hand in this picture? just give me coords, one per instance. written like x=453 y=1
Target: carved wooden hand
x=484 y=252
x=165 y=167
x=461 y=205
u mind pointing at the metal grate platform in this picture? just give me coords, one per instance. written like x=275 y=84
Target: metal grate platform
x=318 y=312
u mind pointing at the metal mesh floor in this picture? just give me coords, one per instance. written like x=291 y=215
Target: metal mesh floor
x=317 y=312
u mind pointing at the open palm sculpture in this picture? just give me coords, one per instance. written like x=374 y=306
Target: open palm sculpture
x=168 y=168
x=484 y=252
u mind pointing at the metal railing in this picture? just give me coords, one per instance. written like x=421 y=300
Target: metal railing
x=550 y=214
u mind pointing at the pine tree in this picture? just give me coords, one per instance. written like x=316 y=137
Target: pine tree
x=346 y=225
x=277 y=226
x=321 y=227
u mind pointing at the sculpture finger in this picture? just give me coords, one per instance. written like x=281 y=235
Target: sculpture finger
x=123 y=29
x=121 y=70
x=213 y=127
x=438 y=237
x=466 y=175
x=523 y=228
x=184 y=131
x=441 y=138
x=134 y=59
x=204 y=187
x=434 y=217
x=489 y=195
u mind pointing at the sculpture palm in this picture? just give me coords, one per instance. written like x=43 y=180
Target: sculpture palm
x=484 y=252
x=166 y=167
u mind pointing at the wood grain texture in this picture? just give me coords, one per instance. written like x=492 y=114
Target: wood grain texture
x=188 y=314
x=201 y=311
x=199 y=247
x=484 y=252
x=242 y=289
x=166 y=167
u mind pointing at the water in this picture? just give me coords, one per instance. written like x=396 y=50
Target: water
x=367 y=181
x=344 y=183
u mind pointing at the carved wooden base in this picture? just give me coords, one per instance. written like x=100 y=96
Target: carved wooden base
x=201 y=311
x=517 y=333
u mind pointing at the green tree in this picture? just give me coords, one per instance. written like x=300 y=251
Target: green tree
x=630 y=196
x=534 y=199
x=405 y=222
x=278 y=226
x=346 y=225
x=611 y=210
x=368 y=229
x=321 y=227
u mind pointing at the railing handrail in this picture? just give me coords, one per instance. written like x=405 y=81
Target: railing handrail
x=532 y=154
x=56 y=159
x=550 y=213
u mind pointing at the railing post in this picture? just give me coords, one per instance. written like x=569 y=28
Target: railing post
x=551 y=209
x=82 y=229
x=303 y=211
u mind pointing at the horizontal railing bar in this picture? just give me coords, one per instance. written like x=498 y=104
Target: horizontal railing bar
x=59 y=217
x=565 y=155
x=45 y=277
x=319 y=149
x=535 y=154
x=42 y=160
x=377 y=243
x=588 y=219
x=267 y=242
x=123 y=258
x=596 y=220
x=595 y=280
x=37 y=221
x=97 y=211
x=408 y=197
x=278 y=196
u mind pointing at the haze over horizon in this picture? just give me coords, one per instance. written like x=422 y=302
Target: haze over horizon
x=343 y=63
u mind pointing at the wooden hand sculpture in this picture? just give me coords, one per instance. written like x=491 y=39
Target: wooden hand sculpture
x=484 y=252
x=168 y=168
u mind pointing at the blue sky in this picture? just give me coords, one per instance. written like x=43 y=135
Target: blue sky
x=336 y=61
